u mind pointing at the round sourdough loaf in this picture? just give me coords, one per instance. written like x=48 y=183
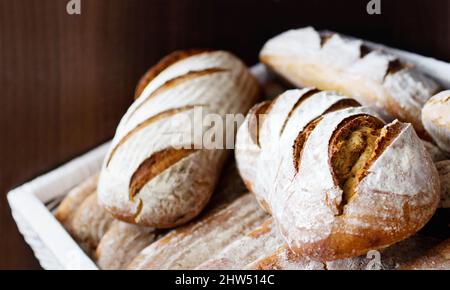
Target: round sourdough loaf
x=335 y=177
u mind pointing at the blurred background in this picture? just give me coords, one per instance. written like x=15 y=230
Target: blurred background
x=65 y=80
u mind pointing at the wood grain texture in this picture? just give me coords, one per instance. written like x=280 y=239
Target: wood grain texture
x=66 y=80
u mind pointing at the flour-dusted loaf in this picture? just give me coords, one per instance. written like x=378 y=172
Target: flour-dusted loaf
x=121 y=244
x=161 y=170
x=69 y=205
x=189 y=246
x=123 y=241
x=258 y=243
x=329 y=61
x=436 y=119
x=337 y=179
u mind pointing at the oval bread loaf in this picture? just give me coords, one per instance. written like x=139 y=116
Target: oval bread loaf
x=160 y=171
x=436 y=119
x=329 y=61
x=337 y=180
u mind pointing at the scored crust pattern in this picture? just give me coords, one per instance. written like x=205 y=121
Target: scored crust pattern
x=157 y=173
x=338 y=180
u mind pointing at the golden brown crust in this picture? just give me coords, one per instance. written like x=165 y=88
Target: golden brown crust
x=154 y=165
x=163 y=64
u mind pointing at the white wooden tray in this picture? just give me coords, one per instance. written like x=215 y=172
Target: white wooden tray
x=32 y=203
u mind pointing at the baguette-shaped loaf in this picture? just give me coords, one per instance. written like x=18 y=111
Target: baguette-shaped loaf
x=69 y=205
x=160 y=171
x=258 y=243
x=121 y=243
x=190 y=245
x=338 y=181
x=436 y=119
x=437 y=258
x=329 y=61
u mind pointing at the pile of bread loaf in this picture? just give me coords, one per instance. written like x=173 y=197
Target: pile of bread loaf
x=343 y=170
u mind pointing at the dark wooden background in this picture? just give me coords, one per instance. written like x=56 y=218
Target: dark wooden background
x=66 y=80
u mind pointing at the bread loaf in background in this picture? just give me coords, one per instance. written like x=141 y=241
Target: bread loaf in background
x=158 y=172
x=329 y=61
x=443 y=168
x=436 y=119
x=259 y=242
x=337 y=179
x=190 y=245
x=72 y=201
x=391 y=258
x=438 y=258
x=90 y=223
x=83 y=217
x=121 y=243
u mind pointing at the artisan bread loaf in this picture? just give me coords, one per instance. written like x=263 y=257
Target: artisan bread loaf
x=189 y=246
x=160 y=171
x=258 y=243
x=122 y=243
x=436 y=119
x=90 y=223
x=69 y=205
x=329 y=61
x=338 y=181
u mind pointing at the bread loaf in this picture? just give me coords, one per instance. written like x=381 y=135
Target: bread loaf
x=435 y=153
x=90 y=223
x=121 y=244
x=437 y=258
x=260 y=242
x=284 y=259
x=159 y=172
x=123 y=241
x=190 y=245
x=436 y=119
x=443 y=168
x=391 y=258
x=338 y=181
x=68 y=206
x=329 y=61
